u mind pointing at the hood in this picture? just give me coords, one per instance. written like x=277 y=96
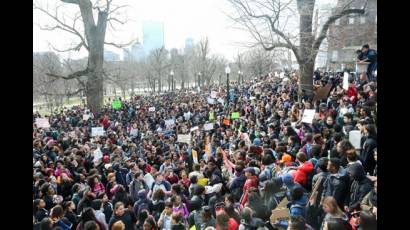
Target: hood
x=302 y=201
x=356 y=171
x=341 y=173
x=287 y=179
x=142 y=194
x=307 y=167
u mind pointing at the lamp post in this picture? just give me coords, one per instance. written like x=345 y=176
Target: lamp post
x=172 y=80
x=199 y=79
x=227 y=71
x=239 y=76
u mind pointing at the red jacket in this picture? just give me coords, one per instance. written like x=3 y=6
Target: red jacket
x=249 y=183
x=352 y=92
x=302 y=171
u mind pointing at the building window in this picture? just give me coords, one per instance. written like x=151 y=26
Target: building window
x=351 y=20
x=337 y=22
x=334 y=55
x=362 y=20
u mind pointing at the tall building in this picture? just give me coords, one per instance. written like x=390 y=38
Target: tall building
x=111 y=56
x=153 y=36
x=349 y=33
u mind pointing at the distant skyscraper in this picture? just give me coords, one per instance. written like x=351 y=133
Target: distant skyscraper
x=189 y=45
x=111 y=56
x=153 y=36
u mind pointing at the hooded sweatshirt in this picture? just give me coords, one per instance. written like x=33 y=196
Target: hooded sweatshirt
x=337 y=185
x=360 y=186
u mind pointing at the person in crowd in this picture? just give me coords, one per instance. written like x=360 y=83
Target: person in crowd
x=88 y=215
x=248 y=221
x=164 y=222
x=337 y=182
x=360 y=186
x=332 y=210
x=368 y=144
x=251 y=181
x=121 y=214
x=369 y=202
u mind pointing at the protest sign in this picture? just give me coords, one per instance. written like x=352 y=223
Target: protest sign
x=187 y=115
x=235 y=115
x=116 y=104
x=354 y=138
x=345 y=81
x=151 y=109
x=169 y=122
x=208 y=126
x=42 y=123
x=97 y=131
x=322 y=93
x=195 y=156
x=184 y=138
x=86 y=117
x=211 y=116
x=214 y=94
x=134 y=132
x=221 y=100
x=194 y=128
x=308 y=116
x=226 y=121
x=210 y=100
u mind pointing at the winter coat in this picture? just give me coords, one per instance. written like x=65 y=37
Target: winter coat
x=298 y=207
x=369 y=201
x=128 y=219
x=302 y=173
x=135 y=186
x=249 y=183
x=337 y=185
x=359 y=188
x=237 y=186
x=366 y=154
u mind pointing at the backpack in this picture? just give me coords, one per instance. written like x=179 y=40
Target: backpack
x=141 y=207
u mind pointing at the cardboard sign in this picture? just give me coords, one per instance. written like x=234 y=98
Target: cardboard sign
x=184 y=138
x=194 y=128
x=208 y=126
x=97 y=155
x=354 y=137
x=221 y=100
x=86 y=117
x=42 y=123
x=345 y=81
x=97 y=131
x=151 y=109
x=214 y=94
x=308 y=116
x=195 y=156
x=235 y=115
x=322 y=93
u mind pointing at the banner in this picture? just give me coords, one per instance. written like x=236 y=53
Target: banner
x=116 y=104
x=235 y=115
x=42 y=123
x=184 y=138
x=97 y=131
x=308 y=116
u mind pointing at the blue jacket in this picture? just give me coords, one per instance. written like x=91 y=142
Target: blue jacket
x=298 y=207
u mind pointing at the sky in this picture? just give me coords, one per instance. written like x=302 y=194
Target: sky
x=181 y=18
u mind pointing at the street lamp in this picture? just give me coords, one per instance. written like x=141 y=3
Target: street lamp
x=172 y=80
x=227 y=71
x=239 y=76
x=199 y=79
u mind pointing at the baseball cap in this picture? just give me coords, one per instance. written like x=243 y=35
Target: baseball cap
x=286 y=158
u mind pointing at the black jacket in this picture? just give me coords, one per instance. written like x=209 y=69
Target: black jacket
x=366 y=154
x=128 y=219
x=359 y=188
x=337 y=185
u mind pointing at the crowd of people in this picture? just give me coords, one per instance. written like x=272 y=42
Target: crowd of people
x=247 y=153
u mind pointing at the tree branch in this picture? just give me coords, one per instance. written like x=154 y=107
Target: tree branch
x=71 y=1
x=330 y=20
x=71 y=76
x=120 y=46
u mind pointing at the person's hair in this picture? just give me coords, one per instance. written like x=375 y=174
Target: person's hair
x=246 y=214
x=159 y=194
x=337 y=137
x=239 y=168
x=348 y=116
x=46 y=224
x=267 y=159
x=333 y=206
x=335 y=162
x=90 y=225
x=177 y=188
x=230 y=197
x=297 y=223
x=96 y=204
x=118 y=204
x=322 y=164
x=222 y=221
x=337 y=224
x=316 y=150
x=368 y=220
x=151 y=221
x=199 y=190
x=137 y=174
x=296 y=193
x=168 y=204
x=118 y=225
x=177 y=217
x=87 y=215
x=345 y=145
x=36 y=202
x=301 y=156
x=66 y=205
x=57 y=212
x=230 y=210
x=366 y=46
x=197 y=167
x=371 y=129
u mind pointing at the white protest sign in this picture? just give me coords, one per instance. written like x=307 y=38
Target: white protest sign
x=151 y=109
x=194 y=128
x=308 y=116
x=208 y=126
x=221 y=100
x=210 y=100
x=187 y=115
x=97 y=155
x=134 y=132
x=282 y=75
x=169 y=122
x=184 y=138
x=214 y=94
x=195 y=156
x=354 y=138
x=97 y=131
x=86 y=117
x=346 y=81
x=42 y=123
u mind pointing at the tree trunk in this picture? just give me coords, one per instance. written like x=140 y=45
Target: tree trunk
x=306 y=77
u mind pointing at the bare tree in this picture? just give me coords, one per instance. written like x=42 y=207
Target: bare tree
x=91 y=35
x=267 y=22
x=258 y=62
x=158 y=64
